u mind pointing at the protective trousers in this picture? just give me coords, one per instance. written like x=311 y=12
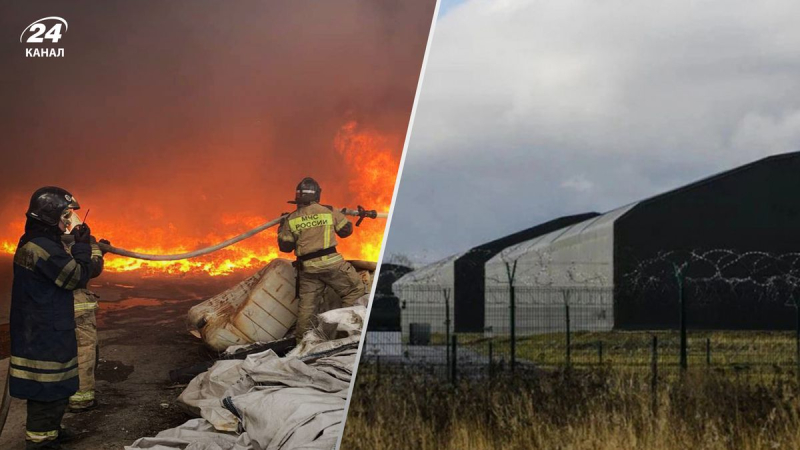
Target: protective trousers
x=339 y=276
x=86 y=334
x=44 y=424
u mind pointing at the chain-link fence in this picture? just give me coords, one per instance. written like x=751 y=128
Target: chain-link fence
x=538 y=328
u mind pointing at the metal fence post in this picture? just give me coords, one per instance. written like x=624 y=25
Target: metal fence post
x=682 y=304
x=454 y=365
x=513 y=330
x=600 y=352
x=378 y=370
x=566 y=316
x=446 y=293
x=511 y=272
x=491 y=359
x=797 y=335
x=654 y=370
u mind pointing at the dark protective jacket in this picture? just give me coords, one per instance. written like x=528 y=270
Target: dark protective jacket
x=44 y=364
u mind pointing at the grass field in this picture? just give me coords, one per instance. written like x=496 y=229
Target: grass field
x=597 y=408
x=744 y=350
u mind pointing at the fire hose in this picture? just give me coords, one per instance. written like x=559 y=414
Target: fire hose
x=361 y=213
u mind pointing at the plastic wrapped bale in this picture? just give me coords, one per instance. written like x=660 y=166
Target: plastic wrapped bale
x=222 y=304
x=262 y=308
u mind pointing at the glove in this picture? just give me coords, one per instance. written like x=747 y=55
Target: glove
x=104 y=241
x=82 y=233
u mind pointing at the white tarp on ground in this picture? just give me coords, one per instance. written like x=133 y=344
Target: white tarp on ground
x=294 y=402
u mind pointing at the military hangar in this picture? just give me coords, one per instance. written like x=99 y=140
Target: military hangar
x=469 y=276
x=454 y=288
x=754 y=207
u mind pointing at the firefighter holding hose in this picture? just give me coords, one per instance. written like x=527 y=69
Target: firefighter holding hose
x=44 y=352
x=85 y=305
x=311 y=232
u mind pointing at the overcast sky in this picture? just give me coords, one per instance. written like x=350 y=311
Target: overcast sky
x=531 y=110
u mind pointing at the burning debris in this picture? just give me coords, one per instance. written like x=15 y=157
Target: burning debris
x=370 y=156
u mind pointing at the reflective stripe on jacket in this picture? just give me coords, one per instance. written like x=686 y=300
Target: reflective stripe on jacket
x=312 y=228
x=44 y=365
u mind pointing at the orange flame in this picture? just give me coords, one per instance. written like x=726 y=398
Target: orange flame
x=376 y=162
x=373 y=169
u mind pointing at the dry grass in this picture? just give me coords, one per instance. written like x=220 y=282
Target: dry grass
x=597 y=409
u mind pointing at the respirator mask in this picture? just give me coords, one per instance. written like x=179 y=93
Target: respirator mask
x=70 y=219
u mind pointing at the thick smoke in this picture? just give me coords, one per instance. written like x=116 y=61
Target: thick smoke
x=170 y=120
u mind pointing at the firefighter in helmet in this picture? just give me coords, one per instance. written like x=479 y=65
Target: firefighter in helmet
x=311 y=232
x=85 y=303
x=44 y=353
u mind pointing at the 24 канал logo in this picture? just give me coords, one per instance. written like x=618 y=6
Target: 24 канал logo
x=47 y=29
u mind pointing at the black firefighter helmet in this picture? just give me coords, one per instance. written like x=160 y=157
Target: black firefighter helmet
x=49 y=205
x=307 y=191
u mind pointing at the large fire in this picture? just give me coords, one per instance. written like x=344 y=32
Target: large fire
x=373 y=161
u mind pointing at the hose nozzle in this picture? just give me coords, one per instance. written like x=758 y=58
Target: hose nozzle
x=364 y=213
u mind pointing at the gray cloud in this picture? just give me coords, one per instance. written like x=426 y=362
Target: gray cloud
x=531 y=110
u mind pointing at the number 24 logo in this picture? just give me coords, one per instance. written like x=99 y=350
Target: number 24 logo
x=38 y=29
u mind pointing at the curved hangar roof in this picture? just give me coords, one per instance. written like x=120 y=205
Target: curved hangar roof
x=583 y=254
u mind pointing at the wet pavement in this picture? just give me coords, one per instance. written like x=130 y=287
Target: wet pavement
x=143 y=336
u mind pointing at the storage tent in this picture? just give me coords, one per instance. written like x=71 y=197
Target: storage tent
x=453 y=288
x=754 y=207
